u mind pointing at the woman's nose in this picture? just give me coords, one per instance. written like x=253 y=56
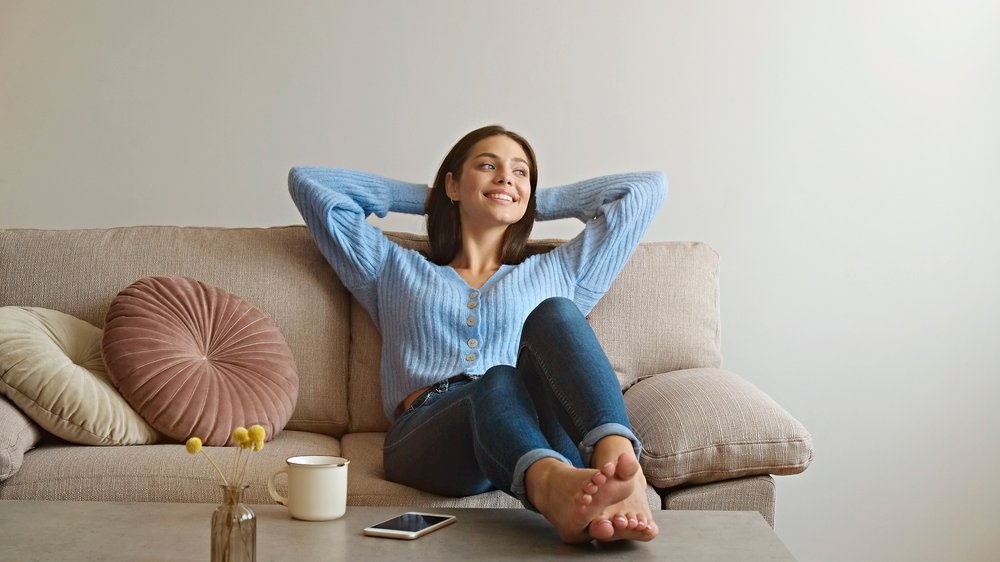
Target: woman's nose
x=503 y=177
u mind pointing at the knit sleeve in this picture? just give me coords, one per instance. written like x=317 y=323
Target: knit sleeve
x=334 y=204
x=617 y=209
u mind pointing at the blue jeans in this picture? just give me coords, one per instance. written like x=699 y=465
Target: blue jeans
x=471 y=434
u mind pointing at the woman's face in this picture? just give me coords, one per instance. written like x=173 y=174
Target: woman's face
x=495 y=183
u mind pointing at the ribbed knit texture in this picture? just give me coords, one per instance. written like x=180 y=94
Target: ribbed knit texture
x=433 y=324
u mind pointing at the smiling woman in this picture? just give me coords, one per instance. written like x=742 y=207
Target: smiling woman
x=492 y=193
x=444 y=215
x=499 y=373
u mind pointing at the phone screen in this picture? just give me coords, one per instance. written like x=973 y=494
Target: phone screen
x=410 y=522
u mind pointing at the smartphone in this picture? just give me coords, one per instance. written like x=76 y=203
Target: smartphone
x=409 y=525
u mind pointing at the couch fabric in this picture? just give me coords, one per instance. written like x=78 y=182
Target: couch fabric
x=712 y=438
x=18 y=435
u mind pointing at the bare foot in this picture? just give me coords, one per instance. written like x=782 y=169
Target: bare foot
x=630 y=519
x=570 y=498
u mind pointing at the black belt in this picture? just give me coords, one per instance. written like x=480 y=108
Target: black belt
x=439 y=386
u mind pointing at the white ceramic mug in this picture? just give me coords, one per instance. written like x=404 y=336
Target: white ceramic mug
x=317 y=487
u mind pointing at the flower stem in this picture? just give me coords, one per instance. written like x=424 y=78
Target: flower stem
x=221 y=475
x=243 y=472
x=236 y=462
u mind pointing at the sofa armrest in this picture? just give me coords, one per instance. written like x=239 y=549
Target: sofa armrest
x=707 y=425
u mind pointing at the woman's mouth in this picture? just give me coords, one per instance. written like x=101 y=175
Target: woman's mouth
x=497 y=196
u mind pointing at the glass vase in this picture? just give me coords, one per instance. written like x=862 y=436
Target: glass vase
x=234 y=528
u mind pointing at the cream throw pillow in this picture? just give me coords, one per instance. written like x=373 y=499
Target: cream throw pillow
x=705 y=425
x=51 y=368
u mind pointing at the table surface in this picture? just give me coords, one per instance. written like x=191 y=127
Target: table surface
x=84 y=531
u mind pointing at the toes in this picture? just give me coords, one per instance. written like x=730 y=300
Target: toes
x=601 y=529
x=592 y=486
x=623 y=526
x=627 y=466
x=627 y=521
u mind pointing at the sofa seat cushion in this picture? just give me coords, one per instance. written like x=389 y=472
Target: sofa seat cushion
x=51 y=368
x=706 y=425
x=18 y=434
x=196 y=360
x=152 y=473
x=753 y=493
x=366 y=483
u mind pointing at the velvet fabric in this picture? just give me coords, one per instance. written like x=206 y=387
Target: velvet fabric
x=196 y=360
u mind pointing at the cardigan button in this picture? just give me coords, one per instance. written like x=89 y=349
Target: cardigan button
x=473 y=342
x=470 y=321
x=470 y=357
x=473 y=304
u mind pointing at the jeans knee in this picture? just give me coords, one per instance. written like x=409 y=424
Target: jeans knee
x=560 y=305
x=552 y=312
x=498 y=378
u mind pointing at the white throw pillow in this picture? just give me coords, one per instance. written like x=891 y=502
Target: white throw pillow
x=51 y=368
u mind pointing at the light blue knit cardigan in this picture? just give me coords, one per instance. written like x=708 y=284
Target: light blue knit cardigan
x=433 y=324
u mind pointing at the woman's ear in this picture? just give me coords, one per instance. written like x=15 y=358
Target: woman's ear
x=451 y=187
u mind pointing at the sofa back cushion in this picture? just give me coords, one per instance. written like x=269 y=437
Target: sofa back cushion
x=660 y=315
x=278 y=270
x=662 y=312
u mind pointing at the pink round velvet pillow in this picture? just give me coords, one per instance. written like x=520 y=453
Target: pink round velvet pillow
x=195 y=360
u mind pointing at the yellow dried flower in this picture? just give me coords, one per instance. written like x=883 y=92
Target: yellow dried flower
x=251 y=439
x=241 y=436
x=257 y=433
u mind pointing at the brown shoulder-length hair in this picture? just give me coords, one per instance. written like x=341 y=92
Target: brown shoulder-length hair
x=444 y=223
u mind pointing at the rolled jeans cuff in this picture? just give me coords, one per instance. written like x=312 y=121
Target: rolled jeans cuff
x=517 y=487
x=602 y=431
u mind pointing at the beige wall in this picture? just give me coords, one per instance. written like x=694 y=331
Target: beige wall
x=841 y=156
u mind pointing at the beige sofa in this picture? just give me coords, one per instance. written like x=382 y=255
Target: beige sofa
x=712 y=439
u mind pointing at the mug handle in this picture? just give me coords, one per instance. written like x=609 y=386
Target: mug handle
x=272 y=490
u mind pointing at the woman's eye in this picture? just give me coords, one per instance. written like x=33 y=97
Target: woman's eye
x=489 y=166
x=521 y=172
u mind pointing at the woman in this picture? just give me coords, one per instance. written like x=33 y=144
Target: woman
x=489 y=371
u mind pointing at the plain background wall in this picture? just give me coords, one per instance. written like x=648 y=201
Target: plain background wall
x=841 y=156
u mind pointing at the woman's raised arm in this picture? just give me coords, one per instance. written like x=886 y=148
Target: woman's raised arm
x=617 y=210
x=334 y=204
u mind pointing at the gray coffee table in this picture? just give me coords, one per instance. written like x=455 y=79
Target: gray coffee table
x=84 y=531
